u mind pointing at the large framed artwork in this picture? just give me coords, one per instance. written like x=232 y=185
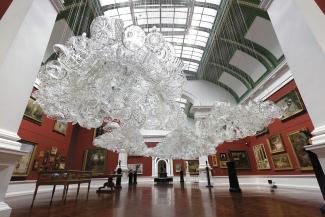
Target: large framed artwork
x=134 y=166
x=33 y=112
x=241 y=159
x=25 y=164
x=282 y=161
x=223 y=160
x=60 y=127
x=95 y=160
x=261 y=132
x=298 y=140
x=292 y=104
x=276 y=144
x=178 y=167
x=214 y=160
x=261 y=158
x=193 y=167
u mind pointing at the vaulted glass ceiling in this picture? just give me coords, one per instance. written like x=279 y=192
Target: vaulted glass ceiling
x=186 y=24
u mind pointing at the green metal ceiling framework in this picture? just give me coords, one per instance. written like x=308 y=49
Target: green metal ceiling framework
x=212 y=67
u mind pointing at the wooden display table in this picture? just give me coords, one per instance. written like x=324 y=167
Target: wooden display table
x=65 y=178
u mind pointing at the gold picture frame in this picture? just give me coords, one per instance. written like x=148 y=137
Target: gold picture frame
x=33 y=112
x=282 y=162
x=297 y=141
x=276 y=144
x=241 y=160
x=95 y=160
x=223 y=160
x=214 y=160
x=25 y=164
x=262 y=161
x=261 y=132
x=60 y=127
x=292 y=104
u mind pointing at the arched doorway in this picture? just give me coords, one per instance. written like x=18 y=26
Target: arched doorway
x=162 y=169
x=165 y=164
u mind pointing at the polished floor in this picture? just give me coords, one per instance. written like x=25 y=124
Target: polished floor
x=175 y=201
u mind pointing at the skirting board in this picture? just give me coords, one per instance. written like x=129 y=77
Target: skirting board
x=307 y=182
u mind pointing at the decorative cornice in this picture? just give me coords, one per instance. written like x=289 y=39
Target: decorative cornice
x=281 y=69
x=8 y=140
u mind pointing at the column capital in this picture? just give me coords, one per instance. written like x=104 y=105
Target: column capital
x=317 y=141
x=8 y=140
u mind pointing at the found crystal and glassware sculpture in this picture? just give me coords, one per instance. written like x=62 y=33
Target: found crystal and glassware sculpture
x=119 y=73
x=123 y=74
x=227 y=122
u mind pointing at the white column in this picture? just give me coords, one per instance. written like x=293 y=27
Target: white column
x=203 y=163
x=299 y=26
x=123 y=160
x=25 y=30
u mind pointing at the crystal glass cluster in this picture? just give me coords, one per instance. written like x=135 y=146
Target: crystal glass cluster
x=182 y=143
x=124 y=80
x=118 y=73
x=227 y=122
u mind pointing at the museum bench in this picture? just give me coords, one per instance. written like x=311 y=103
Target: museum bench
x=65 y=178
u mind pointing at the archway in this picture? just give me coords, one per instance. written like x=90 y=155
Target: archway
x=162 y=169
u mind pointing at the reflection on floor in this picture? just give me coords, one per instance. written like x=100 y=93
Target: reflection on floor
x=189 y=201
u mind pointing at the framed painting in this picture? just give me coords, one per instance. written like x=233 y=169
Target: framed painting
x=223 y=157
x=261 y=158
x=134 y=166
x=282 y=161
x=214 y=160
x=25 y=164
x=178 y=167
x=276 y=144
x=223 y=164
x=241 y=159
x=265 y=130
x=193 y=167
x=60 y=127
x=298 y=140
x=95 y=160
x=292 y=104
x=33 y=112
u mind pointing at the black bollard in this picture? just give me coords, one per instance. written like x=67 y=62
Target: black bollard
x=208 y=175
x=233 y=179
x=135 y=175
x=181 y=174
x=119 y=178
x=130 y=177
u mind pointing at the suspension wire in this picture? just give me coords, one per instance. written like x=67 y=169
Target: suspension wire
x=82 y=16
x=63 y=35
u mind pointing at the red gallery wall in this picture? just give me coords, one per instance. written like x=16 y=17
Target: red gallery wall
x=84 y=142
x=4 y=4
x=278 y=127
x=321 y=4
x=44 y=136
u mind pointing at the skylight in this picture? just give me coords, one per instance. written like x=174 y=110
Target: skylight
x=185 y=24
